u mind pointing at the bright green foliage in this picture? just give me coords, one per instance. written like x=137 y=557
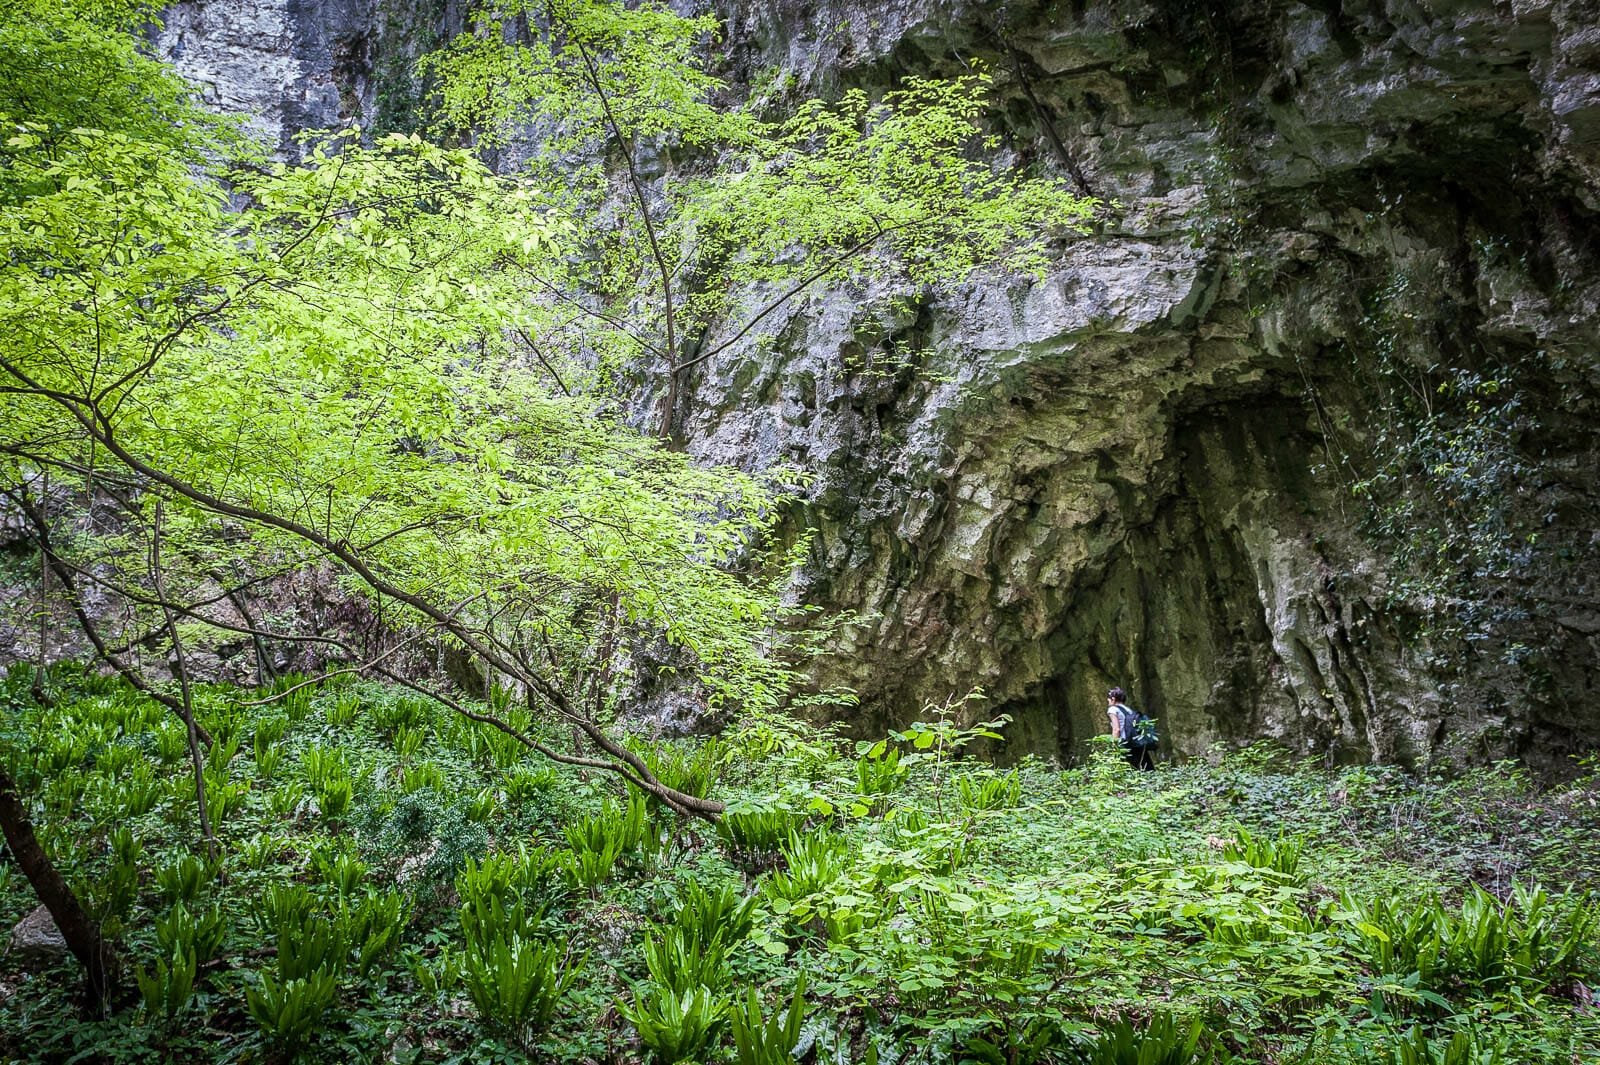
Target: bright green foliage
x=112 y=896
x=393 y=716
x=508 y=893
x=892 y=175
x=813 y=861
x=69 y=65
x=342 y=873
x=679 y=959
x=373 y=924
x=1415 y=1048
x=307 y=941
x=721 y=913
x=989 y=791
x=879 y=772
x=288 y=1011
x=676 y=1026
x=167 y=988
x=936 y=934
x=598 y=842
x=337 y=360
x=330 y=780
x=894 y=171
x=140 y=790
x=1280 y=855
x=1032 y=1043
x=759 y=1040
x=755 y=834
x=1527 y=940
x=199 y=935
x=691 y=770
x=1164 y=1041
x=516 y=984
x=646 y=57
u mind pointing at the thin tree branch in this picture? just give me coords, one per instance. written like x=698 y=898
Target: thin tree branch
x=195 y=756
x=649 y=232
x=799 y=286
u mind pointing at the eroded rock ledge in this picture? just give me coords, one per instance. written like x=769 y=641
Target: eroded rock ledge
x=1140 y=467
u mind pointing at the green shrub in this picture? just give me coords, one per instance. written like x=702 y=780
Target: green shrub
x=139 y=790
x=1549 y=937
x=1528 y=940
x=599 y=841
x=880 y=771
x=680 y=961
x=769 y=1041
x=408 y=741
x=114 y=893
x=517 y=984
x=493 y=747
x=183 y=880
x=289 y=1011
x=723 y=913
x=756 y=834
x=989 y=791
x=172 y=744
x=372 y=925
x=1280 y=856
x=507 y=894
x=344 y=711
x=404 y=713
x=1037 y=1042
x=268 y=732
x=621 y=825
x=526 y=784
x=221 y=753
x=167 y=989
x=267 y=762
x=328 y=773
x=307 y=942
x=419 y=777
x=814 y=861
x=199 y=934
x=296 y=703
x=1163 y=1041
x=692 y=770
x=284 y=800
x=342 y=872
x=676 y=1026
x=1463 y=1047
x=334 y=797
x=224 y=800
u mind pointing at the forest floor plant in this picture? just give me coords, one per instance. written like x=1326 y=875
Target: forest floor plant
x=1248 y=909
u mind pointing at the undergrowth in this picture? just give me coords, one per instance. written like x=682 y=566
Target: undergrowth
x=398 y=884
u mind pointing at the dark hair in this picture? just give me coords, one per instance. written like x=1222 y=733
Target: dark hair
x=1116 y=695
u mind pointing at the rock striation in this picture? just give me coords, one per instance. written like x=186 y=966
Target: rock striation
x=1299 y=444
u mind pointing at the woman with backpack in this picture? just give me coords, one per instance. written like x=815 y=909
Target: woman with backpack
x=1133 y=730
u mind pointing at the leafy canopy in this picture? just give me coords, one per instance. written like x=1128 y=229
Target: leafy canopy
x=689 y=201
x=334 y=357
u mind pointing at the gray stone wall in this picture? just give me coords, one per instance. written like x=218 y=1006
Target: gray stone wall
x=1140 y=468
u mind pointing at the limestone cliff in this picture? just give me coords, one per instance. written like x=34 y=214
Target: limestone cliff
x=1300 y=443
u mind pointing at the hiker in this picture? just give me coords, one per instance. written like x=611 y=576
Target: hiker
x=1135 y=732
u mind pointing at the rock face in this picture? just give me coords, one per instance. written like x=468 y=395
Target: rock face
x=1346 y=233
x=1299 y=444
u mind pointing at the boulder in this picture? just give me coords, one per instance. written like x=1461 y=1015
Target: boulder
x=36 y=936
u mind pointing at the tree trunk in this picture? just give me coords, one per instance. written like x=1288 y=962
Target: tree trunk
x=82 y=932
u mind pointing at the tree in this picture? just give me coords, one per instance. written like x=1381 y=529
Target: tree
x=215 y=370
x=743 y=203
